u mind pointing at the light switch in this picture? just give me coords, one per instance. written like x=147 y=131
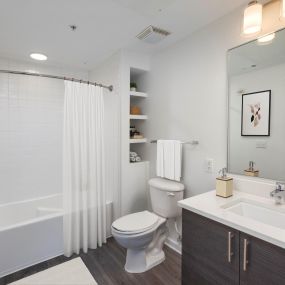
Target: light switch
x=209 y=165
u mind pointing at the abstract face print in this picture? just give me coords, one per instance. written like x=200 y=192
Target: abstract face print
x=256 y=114
x=255 y=119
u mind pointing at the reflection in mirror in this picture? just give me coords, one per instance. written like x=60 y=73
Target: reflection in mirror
x=256 y=133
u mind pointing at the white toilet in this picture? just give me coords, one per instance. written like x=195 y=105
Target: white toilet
x=144 y=233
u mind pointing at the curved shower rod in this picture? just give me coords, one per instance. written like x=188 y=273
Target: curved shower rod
x=110 y=88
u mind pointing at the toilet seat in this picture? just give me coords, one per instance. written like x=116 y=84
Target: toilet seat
x=136 y=223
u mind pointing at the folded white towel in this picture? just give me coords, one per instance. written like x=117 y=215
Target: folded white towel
x=169 y=159
x=133 y=154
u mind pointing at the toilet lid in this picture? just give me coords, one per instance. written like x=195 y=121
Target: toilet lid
x=136 y=223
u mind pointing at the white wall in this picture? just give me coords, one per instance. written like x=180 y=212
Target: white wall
x=188 y=97
x=270 y=160
x=188 y=100
x=109 y=73
x=129 y=190
x=31 y=119
x=135 y=176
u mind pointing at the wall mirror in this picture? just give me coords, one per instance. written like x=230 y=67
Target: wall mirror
x=256 y=132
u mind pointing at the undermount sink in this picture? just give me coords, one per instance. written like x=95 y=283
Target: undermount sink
x=266 y=214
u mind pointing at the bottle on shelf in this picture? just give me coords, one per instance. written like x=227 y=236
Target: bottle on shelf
x=134 y=134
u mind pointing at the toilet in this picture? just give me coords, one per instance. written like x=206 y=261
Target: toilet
x=143 y=234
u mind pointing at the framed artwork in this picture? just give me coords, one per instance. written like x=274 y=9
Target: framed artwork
x=255 y=115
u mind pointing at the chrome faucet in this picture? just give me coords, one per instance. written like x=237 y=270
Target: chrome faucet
x=279 y=193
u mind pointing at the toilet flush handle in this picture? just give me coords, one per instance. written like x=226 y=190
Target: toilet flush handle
x=170 y=194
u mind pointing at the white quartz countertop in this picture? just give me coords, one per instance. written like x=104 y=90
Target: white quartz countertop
x=215 y=208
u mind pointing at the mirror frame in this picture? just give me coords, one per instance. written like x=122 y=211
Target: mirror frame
x=228 y=107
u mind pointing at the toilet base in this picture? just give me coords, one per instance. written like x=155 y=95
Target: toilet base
x=138 y=261
x=142 y=260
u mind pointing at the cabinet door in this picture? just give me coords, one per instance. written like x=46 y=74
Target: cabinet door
x=261 y=262
x=210 y=252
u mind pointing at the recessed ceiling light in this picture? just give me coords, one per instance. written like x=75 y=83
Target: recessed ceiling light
x=266 y=39
x=38 y=56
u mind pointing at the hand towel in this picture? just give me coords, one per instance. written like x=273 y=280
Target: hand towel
x=169 y=159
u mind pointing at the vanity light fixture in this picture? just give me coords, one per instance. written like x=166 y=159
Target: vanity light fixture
x=268 y=39
x=252 y=21
x=38 y=56
x=283 y=9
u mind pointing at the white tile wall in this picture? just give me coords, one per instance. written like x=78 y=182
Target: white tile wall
x=31 y=121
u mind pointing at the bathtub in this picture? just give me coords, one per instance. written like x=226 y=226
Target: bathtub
x=30 y=232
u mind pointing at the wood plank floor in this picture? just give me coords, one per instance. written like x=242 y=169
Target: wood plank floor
x=106 y=264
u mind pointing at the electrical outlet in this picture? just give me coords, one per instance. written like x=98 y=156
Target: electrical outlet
x=261 y=144
x=209 y=165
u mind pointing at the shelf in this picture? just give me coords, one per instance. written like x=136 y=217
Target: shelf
x=138 y=94
x=138 y=117
x=139 y=163
x=144 y=140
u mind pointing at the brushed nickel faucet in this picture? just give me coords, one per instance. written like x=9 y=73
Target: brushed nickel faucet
x=279 y=193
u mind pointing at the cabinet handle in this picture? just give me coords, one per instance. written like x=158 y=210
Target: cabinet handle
x=230 y=252
x=245 y=250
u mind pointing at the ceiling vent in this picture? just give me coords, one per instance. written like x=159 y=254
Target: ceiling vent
x=152 y=35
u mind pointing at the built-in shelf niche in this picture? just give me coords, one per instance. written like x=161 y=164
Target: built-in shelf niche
x=132 y=141
x=138 y=117
x=138 y=94
x=139 y=98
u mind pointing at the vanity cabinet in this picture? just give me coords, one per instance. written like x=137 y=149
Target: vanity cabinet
x=261 y=262
x=213 y=253
x=210 y=252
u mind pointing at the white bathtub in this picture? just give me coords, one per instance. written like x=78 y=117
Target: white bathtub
x=30 y=232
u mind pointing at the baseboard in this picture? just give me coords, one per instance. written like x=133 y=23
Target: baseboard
x=173 y=244
x=32 y=263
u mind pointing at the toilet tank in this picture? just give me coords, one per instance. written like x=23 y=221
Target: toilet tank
x=164 y=195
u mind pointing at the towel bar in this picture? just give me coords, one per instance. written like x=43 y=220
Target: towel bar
x=194 y=142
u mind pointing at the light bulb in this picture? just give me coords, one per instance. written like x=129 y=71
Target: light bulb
x=38 y=56
x=266 y=39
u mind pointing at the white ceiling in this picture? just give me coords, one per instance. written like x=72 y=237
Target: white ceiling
x=104 y=26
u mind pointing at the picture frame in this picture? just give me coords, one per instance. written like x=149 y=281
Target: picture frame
x=255 y=114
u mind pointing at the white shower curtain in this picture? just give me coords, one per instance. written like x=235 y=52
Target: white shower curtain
x=84 y=199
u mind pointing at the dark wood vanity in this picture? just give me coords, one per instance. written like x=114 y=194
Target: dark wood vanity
x=213 y=253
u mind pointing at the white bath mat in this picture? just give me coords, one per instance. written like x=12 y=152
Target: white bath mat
x=73 y=272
